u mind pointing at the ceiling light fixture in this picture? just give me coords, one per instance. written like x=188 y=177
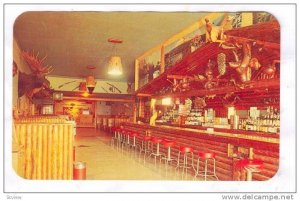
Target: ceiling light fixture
x=115 y=65
x=90 y=83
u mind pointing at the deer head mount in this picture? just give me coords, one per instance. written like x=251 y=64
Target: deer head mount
x=35 y=84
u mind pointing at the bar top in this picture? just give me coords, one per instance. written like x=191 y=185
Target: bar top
x=223 y=134
x=233 y=135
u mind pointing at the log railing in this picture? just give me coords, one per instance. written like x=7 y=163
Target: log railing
x=45 y=150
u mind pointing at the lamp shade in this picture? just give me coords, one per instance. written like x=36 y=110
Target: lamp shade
x=115 y=66
x=90 y=83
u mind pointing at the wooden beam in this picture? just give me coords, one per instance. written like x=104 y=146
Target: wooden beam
x=134 y=112
x=98 y=99
x=274 y=83
x=162 y=59
x=143 y=95
x=247 y=19
x=179 y=77
x=258 y=42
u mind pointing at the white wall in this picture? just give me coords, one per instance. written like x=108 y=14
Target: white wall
x=22 y=67
x=102 y=108
x=71 y=84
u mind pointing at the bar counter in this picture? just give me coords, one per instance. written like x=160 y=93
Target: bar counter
x=263 y=146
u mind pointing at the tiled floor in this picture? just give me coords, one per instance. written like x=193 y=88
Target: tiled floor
x=107 y=163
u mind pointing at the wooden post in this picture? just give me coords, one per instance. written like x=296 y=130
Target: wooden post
x=60 y=151
x=95 y=114
x=49 y=152
x=70 y=149
x=45 y=152
x=162 y=60
x=28 y=160
x=34 y=151
x=54 y=151
x=65 y=153
x=21 y=158
x=39 y=151
x=70 y=159
x=134 y=112
x=247 y=19
x=136 y=75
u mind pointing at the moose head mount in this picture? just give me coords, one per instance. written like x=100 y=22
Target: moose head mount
x=34 y=85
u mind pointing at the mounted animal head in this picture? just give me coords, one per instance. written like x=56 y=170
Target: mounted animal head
x=35 y=84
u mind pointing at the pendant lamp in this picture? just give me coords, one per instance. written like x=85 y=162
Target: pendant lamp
x=115 y=64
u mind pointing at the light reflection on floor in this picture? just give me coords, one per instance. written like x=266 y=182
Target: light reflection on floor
x=107 y=163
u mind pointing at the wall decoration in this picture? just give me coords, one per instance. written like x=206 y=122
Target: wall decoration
x=221 y=59
x=243 y=66
x=15 y=69
x=180 y=83
x=216 y=33
x=208 y=79
x=35 y=85
x=130 y=88
x=113 y=88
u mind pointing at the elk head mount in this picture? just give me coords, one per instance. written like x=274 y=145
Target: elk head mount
x=34 y=85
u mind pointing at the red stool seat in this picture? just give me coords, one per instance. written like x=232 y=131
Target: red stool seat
x=254 y=163
x=147 y=138
x=156 y=140
x=185 y=149
x=133 y=134
x=206 y=155
x=168 y=143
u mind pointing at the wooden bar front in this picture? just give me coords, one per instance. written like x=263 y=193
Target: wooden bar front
x=264 y=148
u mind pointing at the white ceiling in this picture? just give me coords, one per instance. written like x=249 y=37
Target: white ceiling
x=73 y=40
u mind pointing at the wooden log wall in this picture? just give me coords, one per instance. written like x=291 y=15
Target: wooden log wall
x=45 y=150
x=224 y=164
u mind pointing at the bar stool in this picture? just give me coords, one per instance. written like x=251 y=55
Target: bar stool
x=144 y=147
x=126 y=140
x=115 y=137
x=122 y=138
x=156 y=153
x=206 y=156
x=251 y=166
x=168 y=144
x=119 y=136
x=133 y=145
x=186 y=151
